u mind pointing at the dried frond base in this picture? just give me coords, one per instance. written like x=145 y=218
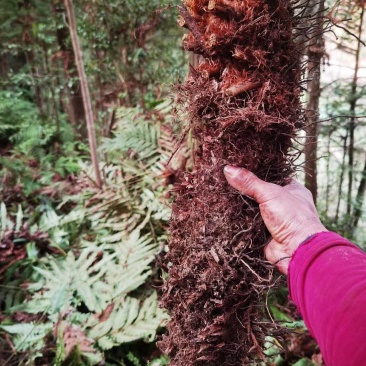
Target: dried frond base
x=244 y=105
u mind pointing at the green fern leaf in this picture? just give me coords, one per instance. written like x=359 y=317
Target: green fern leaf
x=130 y=321
x=28 y=335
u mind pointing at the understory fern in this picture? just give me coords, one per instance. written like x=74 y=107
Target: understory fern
x=99 y=294
x=134 y=134
x=103 y=285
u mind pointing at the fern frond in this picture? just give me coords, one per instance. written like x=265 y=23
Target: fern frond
x=28 y=335
x=11 y=295
x=107 y=270
x=129 y=320
x=134 y=135
x=91 y=280
x=5 y=222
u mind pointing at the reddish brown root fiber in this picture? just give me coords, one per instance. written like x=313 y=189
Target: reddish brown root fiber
x=244 y=105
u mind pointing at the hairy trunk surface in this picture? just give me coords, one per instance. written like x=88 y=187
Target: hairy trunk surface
x=244 y=106
x=315 y=52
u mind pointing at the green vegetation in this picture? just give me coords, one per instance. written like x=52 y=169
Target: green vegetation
x=89 y=257
x=79 y=266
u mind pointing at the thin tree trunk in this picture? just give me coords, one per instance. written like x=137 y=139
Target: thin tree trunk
x=339 y=197
x=315 y=53
x=53 y=97
x=102 y=107
x=352 y=122
x=30 y=55
x=328 y=173
x=357 y=213
x=74 y=108
x=37 y=87
x=84 y=89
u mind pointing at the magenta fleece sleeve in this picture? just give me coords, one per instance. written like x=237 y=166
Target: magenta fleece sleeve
x=327 y=282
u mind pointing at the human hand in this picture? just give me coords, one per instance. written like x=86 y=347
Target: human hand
x=288 y=212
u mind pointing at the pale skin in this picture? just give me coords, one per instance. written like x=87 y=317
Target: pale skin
x=288 y=212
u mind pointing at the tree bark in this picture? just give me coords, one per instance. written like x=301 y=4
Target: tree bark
x=84 y=90
x=315 y=52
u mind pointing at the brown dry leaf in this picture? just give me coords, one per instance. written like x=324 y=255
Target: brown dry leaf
x=72 y=337
x=104 y=315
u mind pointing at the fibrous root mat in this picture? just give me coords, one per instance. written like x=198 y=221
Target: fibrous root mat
x=243 y=100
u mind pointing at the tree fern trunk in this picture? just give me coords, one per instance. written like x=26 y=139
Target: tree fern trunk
x=244 y=105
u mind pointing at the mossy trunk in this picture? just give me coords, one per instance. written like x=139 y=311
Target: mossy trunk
x=244 y=107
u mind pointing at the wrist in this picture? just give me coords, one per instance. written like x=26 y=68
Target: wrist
x=307 y=232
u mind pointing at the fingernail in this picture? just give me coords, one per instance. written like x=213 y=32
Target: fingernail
x=233 y=171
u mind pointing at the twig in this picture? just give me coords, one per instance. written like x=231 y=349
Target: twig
x=349 y=32
x=332 y=118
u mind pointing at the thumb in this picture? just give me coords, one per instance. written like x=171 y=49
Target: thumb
x=249 y=184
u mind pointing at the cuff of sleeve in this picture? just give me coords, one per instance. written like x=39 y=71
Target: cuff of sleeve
x=303 y=258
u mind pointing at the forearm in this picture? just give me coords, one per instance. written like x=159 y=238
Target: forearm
x=327 y=282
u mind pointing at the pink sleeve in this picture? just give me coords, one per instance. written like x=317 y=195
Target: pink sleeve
x=327 y=282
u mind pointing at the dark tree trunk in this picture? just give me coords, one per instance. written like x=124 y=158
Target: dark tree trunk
x=75 y=107
x=37 y=87
x=341 y=177
x=4 y=66
x=30 y=55
x=328 y=187
x=315 y=52
x=52 y=86
x=244 y=106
